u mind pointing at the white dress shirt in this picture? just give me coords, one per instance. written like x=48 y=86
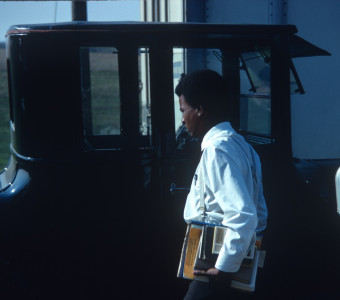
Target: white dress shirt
x=233 y=193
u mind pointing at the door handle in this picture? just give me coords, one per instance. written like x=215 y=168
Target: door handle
x=175 y=190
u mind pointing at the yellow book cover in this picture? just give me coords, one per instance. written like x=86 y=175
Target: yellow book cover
x=192 y=244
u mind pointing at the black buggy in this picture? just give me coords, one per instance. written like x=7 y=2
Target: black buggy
x=86 y=210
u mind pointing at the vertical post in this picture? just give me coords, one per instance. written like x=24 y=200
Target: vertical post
x=79 y=13
x=55 y=11
x=231 y=72
x=79 y=10
x=162 y=102
x=86 y=98
x=129 y=93
x=143 y=10
x=280 y=78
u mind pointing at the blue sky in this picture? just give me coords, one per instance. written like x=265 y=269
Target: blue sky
x=31 y=12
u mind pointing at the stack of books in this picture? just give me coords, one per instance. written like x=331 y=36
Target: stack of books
x=202 y=244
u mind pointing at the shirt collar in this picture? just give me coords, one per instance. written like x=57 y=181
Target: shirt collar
x=221 y=129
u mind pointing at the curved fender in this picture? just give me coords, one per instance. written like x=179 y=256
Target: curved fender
x=13 y=181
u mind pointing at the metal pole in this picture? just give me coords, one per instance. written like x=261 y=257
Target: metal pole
x=79 y=10
x=55 y=11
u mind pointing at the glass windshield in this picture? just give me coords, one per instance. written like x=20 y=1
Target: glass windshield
x=255 y=92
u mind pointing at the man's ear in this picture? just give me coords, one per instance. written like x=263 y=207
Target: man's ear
x=200 y=111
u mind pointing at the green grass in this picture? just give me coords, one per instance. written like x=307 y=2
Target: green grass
x=4 y=120
x=105 y=102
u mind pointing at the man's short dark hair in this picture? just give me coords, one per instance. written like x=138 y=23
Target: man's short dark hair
x=204 y=88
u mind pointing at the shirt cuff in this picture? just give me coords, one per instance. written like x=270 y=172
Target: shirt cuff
x=228 y=263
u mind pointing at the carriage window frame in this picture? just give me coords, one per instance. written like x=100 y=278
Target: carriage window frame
x=121 y=137
x=256 y=95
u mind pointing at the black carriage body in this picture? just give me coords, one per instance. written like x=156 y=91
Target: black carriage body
x=84 y=213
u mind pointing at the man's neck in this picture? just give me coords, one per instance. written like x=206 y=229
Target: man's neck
x=210 y=124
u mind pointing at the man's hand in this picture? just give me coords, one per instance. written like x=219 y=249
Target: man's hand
x=210 y=272
x=214 y=274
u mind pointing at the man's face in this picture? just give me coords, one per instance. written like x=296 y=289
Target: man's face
x=190 y=117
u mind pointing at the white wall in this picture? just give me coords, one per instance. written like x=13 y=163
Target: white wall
x=315 y=115
x=237 y=11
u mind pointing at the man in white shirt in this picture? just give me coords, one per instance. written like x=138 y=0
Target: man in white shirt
x=231 y=172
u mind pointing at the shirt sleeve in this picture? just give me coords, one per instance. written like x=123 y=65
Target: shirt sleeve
x=225 y=178
x=262 y=212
